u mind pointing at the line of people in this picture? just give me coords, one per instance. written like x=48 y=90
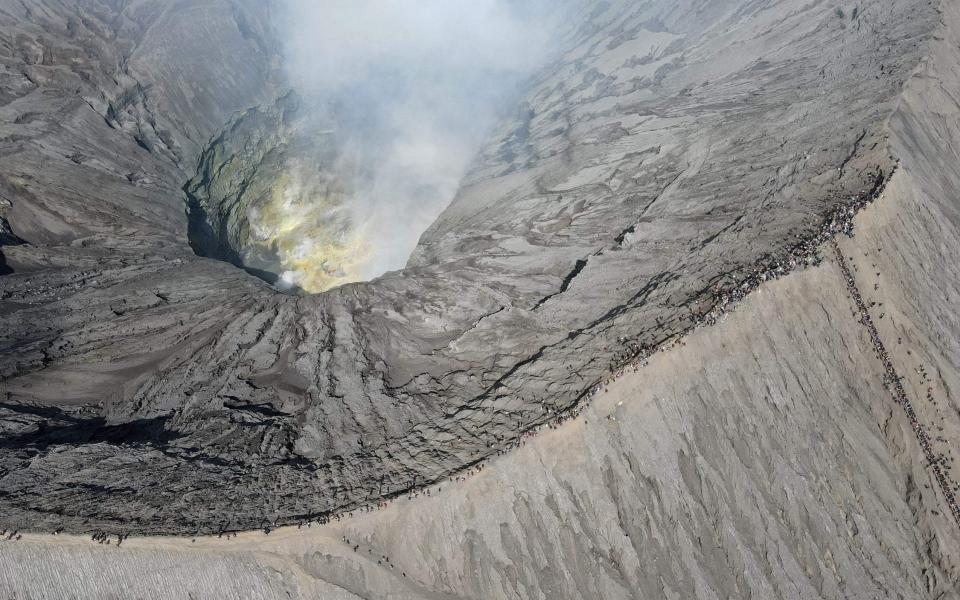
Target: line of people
x=632 y=356
x=895 y=385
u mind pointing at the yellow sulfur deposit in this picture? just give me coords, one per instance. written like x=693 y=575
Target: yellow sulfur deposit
x=307 y=223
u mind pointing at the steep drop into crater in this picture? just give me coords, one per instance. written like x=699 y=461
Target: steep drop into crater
x=671 y=154
x=273 y=195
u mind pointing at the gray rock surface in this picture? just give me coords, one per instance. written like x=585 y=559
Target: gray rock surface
x=673 y=150
x=762 y=458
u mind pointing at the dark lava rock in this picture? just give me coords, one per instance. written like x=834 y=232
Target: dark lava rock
x=675 y=149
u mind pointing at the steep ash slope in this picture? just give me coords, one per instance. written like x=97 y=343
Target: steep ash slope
x=681 y=479
x=673 y=148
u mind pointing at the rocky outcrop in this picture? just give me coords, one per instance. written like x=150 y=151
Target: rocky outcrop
x=672 y=152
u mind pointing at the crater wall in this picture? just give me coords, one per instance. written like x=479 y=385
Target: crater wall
x=671 y=154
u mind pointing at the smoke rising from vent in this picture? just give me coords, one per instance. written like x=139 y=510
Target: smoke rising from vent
x=415 y=85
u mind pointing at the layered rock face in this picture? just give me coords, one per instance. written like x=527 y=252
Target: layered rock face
x=672 y=150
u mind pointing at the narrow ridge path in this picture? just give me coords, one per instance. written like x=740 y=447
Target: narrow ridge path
x=894 y=384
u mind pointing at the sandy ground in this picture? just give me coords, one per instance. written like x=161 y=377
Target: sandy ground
x=760 y=454
x=763 y=457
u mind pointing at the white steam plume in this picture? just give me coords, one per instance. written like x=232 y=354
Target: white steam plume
x=418 y=84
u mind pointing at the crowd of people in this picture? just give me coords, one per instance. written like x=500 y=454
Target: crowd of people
x=13 y=534
x=104 y=538
x=633 y=355
x=894 y=383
